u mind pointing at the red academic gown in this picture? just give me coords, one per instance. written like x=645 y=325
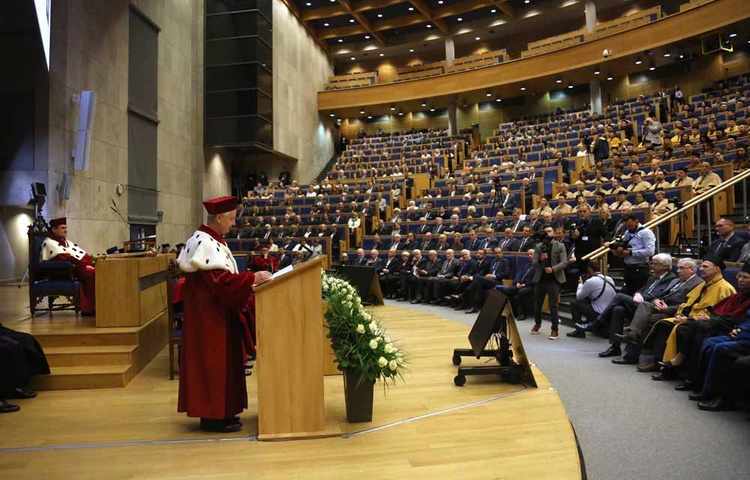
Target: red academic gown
x=59 y=249
x=269 y=264
x=217 y=308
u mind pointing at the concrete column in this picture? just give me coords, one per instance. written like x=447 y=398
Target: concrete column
x=452 y=122
x=590 y=10
x=450 y=51
x=595 y=88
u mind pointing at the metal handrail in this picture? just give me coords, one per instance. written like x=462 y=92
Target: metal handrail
x=673 y=213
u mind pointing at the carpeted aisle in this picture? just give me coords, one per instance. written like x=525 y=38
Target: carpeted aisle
x=628 y=425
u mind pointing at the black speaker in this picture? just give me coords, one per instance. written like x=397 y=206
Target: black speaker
x=365 y=280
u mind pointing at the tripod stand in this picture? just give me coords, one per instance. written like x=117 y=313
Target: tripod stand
x=681 y=242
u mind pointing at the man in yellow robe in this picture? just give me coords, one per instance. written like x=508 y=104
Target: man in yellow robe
x=661 y=338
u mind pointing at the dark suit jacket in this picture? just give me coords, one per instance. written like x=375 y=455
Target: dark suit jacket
x=729 y=250
x=440 y=247
x=483 y=267
x=422 y=229
x=467 y=268
x=392 y=264
x=472 y=244
x=427 y=245
x=433 y=267
x=679 y=296
x=500 y=268
x=285 y=260
x=488 y=242
x=377 y=264
x=524 y=244
x=663 y=286
x=525 y=275
x=439 y=229
x=508 y=245
x=448 y=269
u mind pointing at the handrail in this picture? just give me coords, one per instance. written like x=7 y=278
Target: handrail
x=689 y=204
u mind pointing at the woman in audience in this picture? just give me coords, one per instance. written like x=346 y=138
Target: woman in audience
x=640 y=201
x=544 y=207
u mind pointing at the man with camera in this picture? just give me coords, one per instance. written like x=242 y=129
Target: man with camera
x=587 y=234
x=550 y=260
x=595 y=292
x=636 y=247
x=652 y=130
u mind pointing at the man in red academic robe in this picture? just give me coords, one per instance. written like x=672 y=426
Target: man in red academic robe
x=217 y=301
x=57 y=247
x=264 y=261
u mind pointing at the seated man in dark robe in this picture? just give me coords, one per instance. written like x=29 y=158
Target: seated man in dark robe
x=21 y=357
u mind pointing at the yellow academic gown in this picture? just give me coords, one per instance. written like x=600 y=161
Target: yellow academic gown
x=716 y=289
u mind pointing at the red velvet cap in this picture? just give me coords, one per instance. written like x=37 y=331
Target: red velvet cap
x=220 y=205
x=56 y=222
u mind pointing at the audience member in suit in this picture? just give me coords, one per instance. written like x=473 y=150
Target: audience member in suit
x=408 y=275
x=516 y=224
x=489 y=241
x=534 y=222
x=453 y=226
x=561 y=220
x=508 y=243
x=550 y=260
x=431 y=292
x=439 y=226
x=22 y=357
x=469 y=225
x=507 y=201
x=396 y=215
x=498 y=271
x=360 y=258
x=423 y=226
x=380 y=229
x=500 y=223
x=391 y=273
x=587 y=236
x=397 y=243
x=481 y=267
x=285 y=259
x=728 y=246
x=522 y=289
x=526 y=241
x=377 y=243
x=397 y=230
x=457 y=243
x=446 y=286
x=725 y=316
x=472 y=243
x=419 y=289
x=410 y=243
x=725 y=369
x=374 y=261
x=564 y=239
x=428 y=243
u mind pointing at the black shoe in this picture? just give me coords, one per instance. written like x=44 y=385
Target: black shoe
x=624 y=361
x=588 y=327
x=577 y=333
x=21 y=393
x=7 y=407
x=612 y=351
x=685 y=386
x=699 y=397
x=472 y=310
x=716 y=405
x=664 y=375
x=415 y=301
x=220 y=425
x=520 y=318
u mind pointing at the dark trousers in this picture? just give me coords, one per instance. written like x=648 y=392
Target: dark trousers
x=657 y=341
x=718 y=354
x=475 y=290
x=520 y=299
x=551 y=289
x=690 y=339
x=582 y=308
x=621 y=315
x=635 y=278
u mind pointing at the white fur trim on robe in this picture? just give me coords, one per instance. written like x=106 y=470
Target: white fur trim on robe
x=52 y=248
x=203 y=252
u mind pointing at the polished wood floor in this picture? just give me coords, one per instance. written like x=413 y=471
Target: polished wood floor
x=432 y=429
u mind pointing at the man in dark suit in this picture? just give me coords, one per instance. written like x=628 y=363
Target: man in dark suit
x=498 y=271
x=360 y=258
x=446 y=286
x=457 y=243
x=499 y=224
x=423 y=226
x=517 y=224
x=508 y=243
x=374 y=261
x=421 y=282
x=397 y=243
x=534 y=222
x=285 y=259
x=428 y=243
x=439 y=226
x=728 y=246
x=417 y=265
x=431 y=291
x=480 y=269
x=469 y=225
x=489 y=241
x=442 y=243
x=522 y=289
x=587 y=236
x=526 y=242
x=507 y=201
x=391 y=273
x=472 y=243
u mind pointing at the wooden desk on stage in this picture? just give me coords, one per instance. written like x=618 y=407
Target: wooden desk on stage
x=130 y=291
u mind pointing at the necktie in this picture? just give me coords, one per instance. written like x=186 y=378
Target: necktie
x=652 y=286
x=676 y=286
x=719 y=246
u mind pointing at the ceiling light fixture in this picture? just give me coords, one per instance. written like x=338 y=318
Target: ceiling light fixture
x=367 y=37
x=523 y=89
x=459 y=19
x=411 y=9
x=638 y=61
x=732 y=35
x=400 y=114
x=429 y=26
x=369 y=116
x=354 y=58
x=393 y=108
x=494 y=10
x=411 y=50
x=424 y=103
x=667 y=54
x=570 y=85
x=651 y=69
x=610 y=77
x=559 y=80
x=432 y=109
x=498 y=99
x=341 y=40
x=477 y=38
x=309 y=4
x=362 y=111
x=332 y=114
x=597 y=72
x=489 y=93
x=380 y=15
x=351 y=20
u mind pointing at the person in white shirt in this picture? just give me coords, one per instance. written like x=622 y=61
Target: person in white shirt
x=592 y=297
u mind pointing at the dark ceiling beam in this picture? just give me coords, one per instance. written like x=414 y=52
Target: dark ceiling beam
x=425 y=10
x=365 y=5
x=507 y=9
x=321 y=13
x=341 y=32
x=310 y=29
x=362 y=21
x=460 y=7
x=398 y=22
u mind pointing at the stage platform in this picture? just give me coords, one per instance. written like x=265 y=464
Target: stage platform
x=425 y=428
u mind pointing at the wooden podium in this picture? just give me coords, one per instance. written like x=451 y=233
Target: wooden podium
x=289 y=367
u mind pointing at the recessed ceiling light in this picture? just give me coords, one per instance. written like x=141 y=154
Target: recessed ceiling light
x=667 y=54
x=498 y=99
x=526 y=2
x=369 y=116
x=559 y=80
x=411 y=50
x=433 y=108
x=489 y=94
x=382 y=54
x=440 y=2
x=597 y=72
x=411 y=9
x=309 y=4
x=341 y=40
x=362 y=112
x=351 y=20
x=652 y=69
x=610 y=77
x=354 y=58
x=477 y=38
x=367 y=37
x=494 y=10
x=429 y=26
x=638 y=62
x=523 y=89
x=732 y=35
x=682 y=56
x=460 y=19
x=400 y=113
x=393 y=108
x=332 y=114
x=380 y=15
x=424 y=104
x=570 y=86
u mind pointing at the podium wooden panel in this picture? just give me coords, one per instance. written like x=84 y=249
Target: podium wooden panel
x=289 y=367
x=130 y=291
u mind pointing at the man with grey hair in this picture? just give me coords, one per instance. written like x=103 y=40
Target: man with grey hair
x=624 y=306
x=662 y=306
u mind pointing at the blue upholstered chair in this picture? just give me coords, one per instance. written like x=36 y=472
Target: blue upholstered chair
x=50 y=279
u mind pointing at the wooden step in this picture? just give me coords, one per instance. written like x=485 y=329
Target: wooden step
x=86 y=339
x=82 y=377
x=90 y=355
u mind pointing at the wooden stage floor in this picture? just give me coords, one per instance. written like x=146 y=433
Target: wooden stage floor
x=430 y=428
